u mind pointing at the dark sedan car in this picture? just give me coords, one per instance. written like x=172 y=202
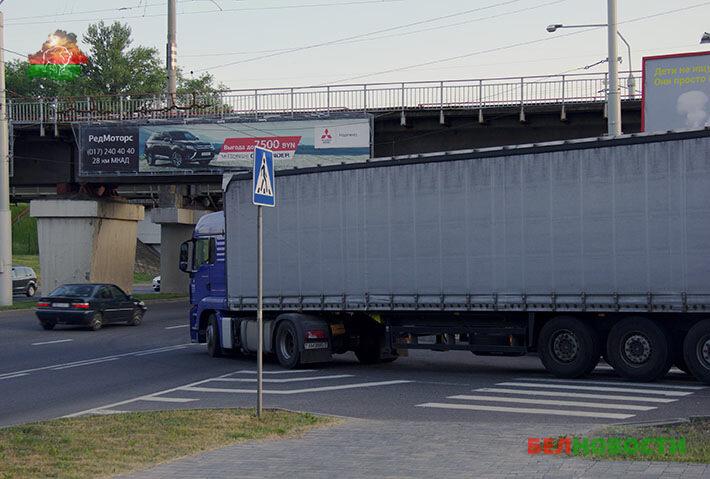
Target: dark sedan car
x=91 y=305
x=178 y=147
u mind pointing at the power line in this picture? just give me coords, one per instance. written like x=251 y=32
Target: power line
x=245 y=9
x=517 y=44
x=345 y=42
x=361 y=35
x=23 y=55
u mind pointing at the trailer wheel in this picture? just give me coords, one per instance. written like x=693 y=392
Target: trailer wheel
x=696 y=351
x=287 y=347
x=639 y=349
x=214 y=348
x=568 y=347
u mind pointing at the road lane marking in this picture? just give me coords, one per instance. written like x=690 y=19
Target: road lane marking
x=160 y=350
x=554 y=402
x=178 y=326
x=597 y=388
x=295 y=391
x=52 y=342
x=524 y=410
x=164 y=399
x=14 y=376
x=619 y=383
x=558 y=394
x=85 y=363
x=287 y=380
x=52 y=366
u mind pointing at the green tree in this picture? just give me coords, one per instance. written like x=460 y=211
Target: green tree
x=116 y=68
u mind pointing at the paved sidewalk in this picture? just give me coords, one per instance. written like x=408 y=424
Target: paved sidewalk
x=396 y=449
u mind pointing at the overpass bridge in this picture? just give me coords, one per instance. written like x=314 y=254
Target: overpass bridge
x=407 y=118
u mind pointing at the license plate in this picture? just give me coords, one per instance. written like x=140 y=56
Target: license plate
x=60 y=305
x=206 y=153
x=320 y=345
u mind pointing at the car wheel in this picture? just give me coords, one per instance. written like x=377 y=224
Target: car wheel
x=214 y=348
x=136 y=318
x=31 y=290
x=204 y=162
x=176 y=159
x=287 y=350
x=96 y=322
x=568 y=347
x=156 y=289
x=150 y=158
x=48 y=325
x=639 y=349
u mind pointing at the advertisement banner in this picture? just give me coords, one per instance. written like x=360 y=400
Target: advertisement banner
x=216 y=147
x=676 y=92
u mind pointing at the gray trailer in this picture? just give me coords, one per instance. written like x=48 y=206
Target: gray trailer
x=573 y=250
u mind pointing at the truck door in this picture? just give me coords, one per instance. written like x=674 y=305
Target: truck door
x=202 y=259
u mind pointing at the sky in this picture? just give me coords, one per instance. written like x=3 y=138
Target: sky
x=282 y=43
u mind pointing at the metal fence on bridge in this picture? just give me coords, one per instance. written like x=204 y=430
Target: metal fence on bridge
x=370 y=97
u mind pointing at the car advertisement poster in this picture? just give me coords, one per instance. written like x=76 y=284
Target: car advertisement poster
x=213 y=148
x=676 y=92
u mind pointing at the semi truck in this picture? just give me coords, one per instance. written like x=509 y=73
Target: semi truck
x=573 y=250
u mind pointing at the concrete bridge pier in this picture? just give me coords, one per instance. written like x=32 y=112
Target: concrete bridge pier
x=176 y=226
x=82 y=241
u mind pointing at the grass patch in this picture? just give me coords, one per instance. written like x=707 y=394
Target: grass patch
x=158 y=296
x=19 y=305
x=696 y=433
x=140 y=278
x=30 y=260
x=101 y=446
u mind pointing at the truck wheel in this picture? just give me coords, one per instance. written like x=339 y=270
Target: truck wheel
x=287 y=350
x=639 y=349
x=368 y=351
x=568 y=347
x=214 y=348
x=696 y=351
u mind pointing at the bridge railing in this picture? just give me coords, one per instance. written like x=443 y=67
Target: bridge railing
x=370 y=97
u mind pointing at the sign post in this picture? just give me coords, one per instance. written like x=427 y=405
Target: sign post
x=264 y=194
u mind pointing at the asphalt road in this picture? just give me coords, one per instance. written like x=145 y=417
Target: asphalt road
x=47 y=374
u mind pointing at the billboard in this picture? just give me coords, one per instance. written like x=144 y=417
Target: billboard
x=216 y=147
x=676 y=92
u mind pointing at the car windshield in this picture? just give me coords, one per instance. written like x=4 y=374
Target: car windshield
x=74 y=290
x=182 y=135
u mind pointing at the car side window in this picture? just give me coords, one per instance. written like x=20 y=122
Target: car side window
x=104 y=293
x=117 y=293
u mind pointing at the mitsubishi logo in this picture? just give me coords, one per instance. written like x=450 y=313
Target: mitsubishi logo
x=326 y=135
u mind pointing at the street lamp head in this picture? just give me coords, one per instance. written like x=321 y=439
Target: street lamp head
x=705 y=38
x=553 y=28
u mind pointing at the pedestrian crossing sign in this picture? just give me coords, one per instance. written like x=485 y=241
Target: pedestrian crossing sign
x=264 y=193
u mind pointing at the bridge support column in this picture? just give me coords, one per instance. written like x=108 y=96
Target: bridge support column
x=176 y=226
x=82 y=241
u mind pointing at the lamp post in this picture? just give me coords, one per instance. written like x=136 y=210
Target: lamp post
x=613 y=96
x=5 y=214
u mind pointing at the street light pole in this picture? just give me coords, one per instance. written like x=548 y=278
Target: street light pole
x=613 y=96
x=5 y=216
x=171 y=52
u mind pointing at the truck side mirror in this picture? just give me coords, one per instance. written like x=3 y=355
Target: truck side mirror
x=185 y=257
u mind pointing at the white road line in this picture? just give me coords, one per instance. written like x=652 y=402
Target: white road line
x=606 y=367
x=106 y=412
x=160 y=350
x=52 y=366
x=52 y=342
x=525 y=410
x=85 y=363
x=619 y=383
x=281 y=371
x=597 y=388
x=553 y=402
x=558 y=394
x=164 y=399
x=14 y=376
x=293 y=391
x=287 y=380
x=178 y=326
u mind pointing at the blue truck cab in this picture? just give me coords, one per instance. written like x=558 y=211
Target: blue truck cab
x=203 y=257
